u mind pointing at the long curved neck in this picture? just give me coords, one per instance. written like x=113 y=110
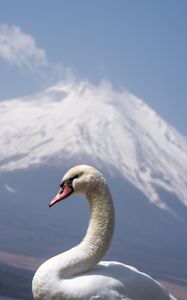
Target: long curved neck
x=95 y=244
x=101 y=225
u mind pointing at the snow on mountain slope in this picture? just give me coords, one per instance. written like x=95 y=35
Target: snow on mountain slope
x=112 y=128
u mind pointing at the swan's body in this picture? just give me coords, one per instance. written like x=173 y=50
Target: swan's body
x=77 y=274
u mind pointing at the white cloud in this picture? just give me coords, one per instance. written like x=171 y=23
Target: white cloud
x=20 y=49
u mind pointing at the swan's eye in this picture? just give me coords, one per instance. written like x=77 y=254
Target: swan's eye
x=69 y=181
x=74 y=177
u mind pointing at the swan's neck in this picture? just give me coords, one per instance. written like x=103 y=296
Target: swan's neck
x=93 y=247
x=101 y=224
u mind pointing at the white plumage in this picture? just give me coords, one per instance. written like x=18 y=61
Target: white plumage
x=78 y=274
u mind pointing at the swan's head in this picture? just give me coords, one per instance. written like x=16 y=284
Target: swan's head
x=78 y=180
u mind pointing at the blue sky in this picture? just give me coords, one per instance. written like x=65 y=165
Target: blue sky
x=140 y=45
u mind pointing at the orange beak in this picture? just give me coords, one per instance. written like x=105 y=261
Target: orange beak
x=63 y=193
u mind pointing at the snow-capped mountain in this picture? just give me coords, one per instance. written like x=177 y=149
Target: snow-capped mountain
x=110 y=128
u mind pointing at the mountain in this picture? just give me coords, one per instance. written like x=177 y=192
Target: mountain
x=143 y=158
x=111 y=128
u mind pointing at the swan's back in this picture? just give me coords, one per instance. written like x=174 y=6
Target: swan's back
x=112 y=281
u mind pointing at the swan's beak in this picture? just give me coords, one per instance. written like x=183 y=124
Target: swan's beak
x=63 y=193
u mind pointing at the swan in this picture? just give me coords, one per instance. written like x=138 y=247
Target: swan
x=78 y=274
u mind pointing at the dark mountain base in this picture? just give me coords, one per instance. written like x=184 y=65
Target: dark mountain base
x=15 y=282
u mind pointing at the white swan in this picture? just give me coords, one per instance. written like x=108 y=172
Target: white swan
x=77 y=274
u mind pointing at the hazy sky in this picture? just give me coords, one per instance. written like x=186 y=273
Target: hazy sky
x=140 y=45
